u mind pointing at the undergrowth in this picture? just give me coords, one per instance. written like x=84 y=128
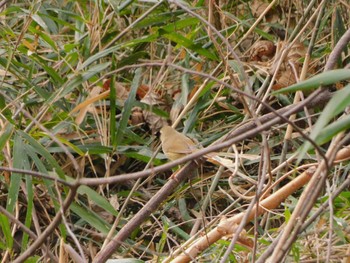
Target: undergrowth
x=87 y=85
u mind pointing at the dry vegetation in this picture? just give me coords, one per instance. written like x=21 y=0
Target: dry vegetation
x=87 y=85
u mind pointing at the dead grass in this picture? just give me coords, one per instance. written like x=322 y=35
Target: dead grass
x=85 y=88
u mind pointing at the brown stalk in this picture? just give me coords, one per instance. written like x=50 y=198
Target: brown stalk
x=228 y=226
x=313 y=190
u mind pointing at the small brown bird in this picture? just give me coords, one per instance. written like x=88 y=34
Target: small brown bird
x=176 y=145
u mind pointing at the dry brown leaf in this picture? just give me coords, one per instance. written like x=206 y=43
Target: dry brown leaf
x=121 y=92
x=96 y=95
x=176 y=107
x=258 y=7
x=291 y=67
x=142 y=91
x=86 y=105
x=154 y=121
x=137 y=116
x=262 y=50
x=114 y=201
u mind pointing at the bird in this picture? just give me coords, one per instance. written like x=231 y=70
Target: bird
x=176 y=145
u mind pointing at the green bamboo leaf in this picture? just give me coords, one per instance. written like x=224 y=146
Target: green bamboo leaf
x=55 y=76
x=92 y=195
x=133 y=58
x=339 y=101
x=98 y=56
x=38 y=161
x=119 y=5
x=43 y=152
x=333 y=129
x=71 y=146
x=187 y=43
x=6 y=230
x=29 y=210
x=90 y=217
x=16 y=69
x=76 y=81
x=5 y=111
x=46 y=18
x=128 y=105
x=5 y=134
x=338 y=31
x=322 y=79
x=88 y=148
x=144 y=39
x=40 y=21
x=113 y=110
x=176 y=229
x=191 y=21
x=20 y=161
x=50 y=42
x=145 y=155
x=97 y=199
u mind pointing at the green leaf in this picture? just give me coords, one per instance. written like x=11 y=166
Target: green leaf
x=113 y=109
x=338 y=31
x=339 y=101
x=44 y=153
x=51 y=25
x=55 y=76
x=38 y=161
x=119 y=5
x=5 y=134
x=333 y=129
x=175 y=228
x=88 y=148
x=159 y=19
x=98 y=56
x=5 y=111
x=20 y=161
x=322 y=79
x=70 y=145
x=90 y=217
x=129 y=104
x=237 y=67
x=152 y=108
x=187 y=43
x=40 y=21
x=6 y=230
x=97 y=199
x=191 y=21
x=78 y=80
x=144 y=39
x=133 y=58
x=144 y=155
x=29 y=210
x=33 y=259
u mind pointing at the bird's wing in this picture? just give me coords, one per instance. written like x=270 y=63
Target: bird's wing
x=185 y=145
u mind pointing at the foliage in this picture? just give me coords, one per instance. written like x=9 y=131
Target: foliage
x=87 y=85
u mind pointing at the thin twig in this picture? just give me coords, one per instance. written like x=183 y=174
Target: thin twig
x=49 y=229
x=36 y=174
